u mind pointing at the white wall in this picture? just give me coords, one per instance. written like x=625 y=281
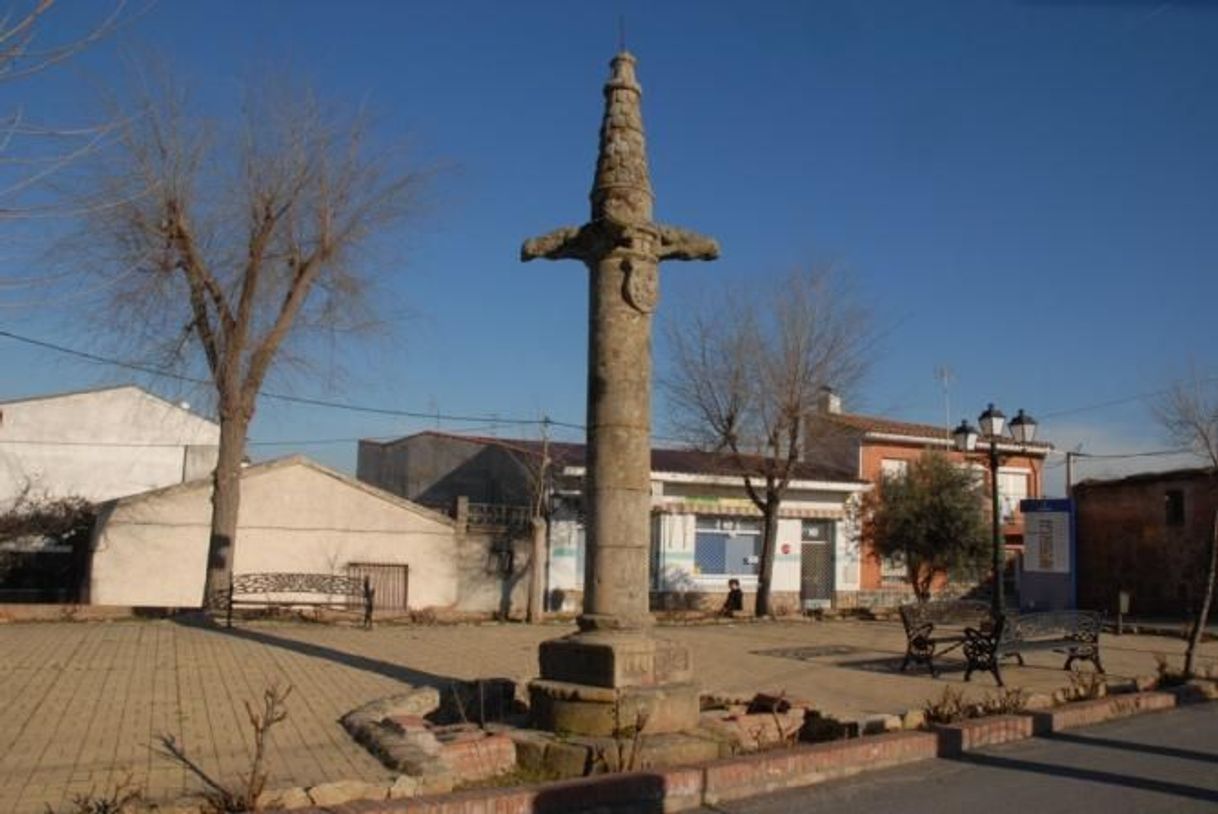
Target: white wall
x=151 y=550
x=677 y=536
x=100 y=445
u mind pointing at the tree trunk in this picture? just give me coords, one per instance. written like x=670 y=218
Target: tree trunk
x=536 y=610
x=226 y=503
x=1207 y=599
x=765 y=571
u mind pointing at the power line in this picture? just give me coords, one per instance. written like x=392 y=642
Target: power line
x=1154 y=453
x=311 y=402
x=1117 y=402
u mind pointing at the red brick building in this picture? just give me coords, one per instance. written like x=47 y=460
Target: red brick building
x=1147 y=534
x=874 y=446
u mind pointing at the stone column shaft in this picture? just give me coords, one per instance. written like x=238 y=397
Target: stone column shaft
x=618 y=479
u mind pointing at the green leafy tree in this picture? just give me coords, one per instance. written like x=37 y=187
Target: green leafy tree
x=931 y=518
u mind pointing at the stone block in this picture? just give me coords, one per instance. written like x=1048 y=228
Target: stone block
x=408 y=757
x=439 y=781
x=615 y=660
x=404 y=786
x=346 y=791
x=587 y=710
x=879 y=724
x=417 y=702
x=477 y=759
x=530 y=747
x=568 y=759
x=404 y=723
x=913 y=719
x=610 y=755
x=292 y=797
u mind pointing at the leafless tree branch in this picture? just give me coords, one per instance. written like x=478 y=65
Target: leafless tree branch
x=747 y=373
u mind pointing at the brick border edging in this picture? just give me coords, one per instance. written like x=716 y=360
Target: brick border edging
x=679 y=788
x=683 y=788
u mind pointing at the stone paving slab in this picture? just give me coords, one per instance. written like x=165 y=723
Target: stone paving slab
x=82 y=705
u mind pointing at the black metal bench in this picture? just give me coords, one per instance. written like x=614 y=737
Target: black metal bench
x=936 y=628
x=290 y=590
x=1073 y=632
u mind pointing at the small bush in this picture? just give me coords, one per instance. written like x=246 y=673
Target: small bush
x=119 y=800
x=1006 y=701
x=1086 y=686
x=225 y=799
x=948 y=709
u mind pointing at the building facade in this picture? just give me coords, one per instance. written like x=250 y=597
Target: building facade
x=704 y=529
x=150 y=549
x=1147 y=534
x=874 y=447
x=100 y=444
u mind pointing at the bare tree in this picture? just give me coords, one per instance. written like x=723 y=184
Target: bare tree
x=224 y=251
x=747 y=373
x=32 y=151
x=1189 y=415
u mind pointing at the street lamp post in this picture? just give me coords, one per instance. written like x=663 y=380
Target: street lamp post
x=1022 y=431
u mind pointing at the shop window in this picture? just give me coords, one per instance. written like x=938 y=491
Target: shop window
x=727 y=546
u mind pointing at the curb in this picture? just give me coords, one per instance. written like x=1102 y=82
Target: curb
x=685 y=788
x=1109 y=708
x=679 y=788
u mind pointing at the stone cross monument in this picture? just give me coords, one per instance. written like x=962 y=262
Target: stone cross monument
x=601 y=678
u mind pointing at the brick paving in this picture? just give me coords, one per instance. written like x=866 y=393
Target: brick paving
x=82 y=705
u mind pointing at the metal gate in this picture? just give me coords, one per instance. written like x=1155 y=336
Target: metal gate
x=816 y=564
x=390 y=582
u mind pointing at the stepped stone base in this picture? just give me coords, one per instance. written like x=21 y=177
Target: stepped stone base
x=604 y=683
x=580 y=709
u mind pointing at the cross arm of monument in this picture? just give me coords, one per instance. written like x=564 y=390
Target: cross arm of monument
x=567 y=243
x=682 y=244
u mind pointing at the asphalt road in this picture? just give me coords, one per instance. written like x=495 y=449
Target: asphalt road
x=1164 y=762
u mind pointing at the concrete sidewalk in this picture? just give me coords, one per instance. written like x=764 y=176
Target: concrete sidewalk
x=82 y=705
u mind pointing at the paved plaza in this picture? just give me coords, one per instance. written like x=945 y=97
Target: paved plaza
x=82 y=705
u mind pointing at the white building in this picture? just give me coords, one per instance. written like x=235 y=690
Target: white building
x=150 y=549
x=100 y=444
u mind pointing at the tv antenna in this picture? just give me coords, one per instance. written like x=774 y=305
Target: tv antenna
x=945 y=376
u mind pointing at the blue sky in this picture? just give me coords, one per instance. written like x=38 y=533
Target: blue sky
x=1024 y=192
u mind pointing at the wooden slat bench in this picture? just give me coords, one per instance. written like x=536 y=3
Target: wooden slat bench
x=936 y=628
x=290 y=590
x=1076 y=633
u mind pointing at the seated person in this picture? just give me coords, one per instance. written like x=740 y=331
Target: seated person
x=734 y=603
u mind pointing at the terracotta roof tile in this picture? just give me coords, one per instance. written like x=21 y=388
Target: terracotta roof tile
x=888 y=426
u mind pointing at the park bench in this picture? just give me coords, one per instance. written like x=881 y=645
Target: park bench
x=936 y=628
x=292 y=590
x=1075 y=633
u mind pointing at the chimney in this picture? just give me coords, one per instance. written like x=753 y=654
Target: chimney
x=828 y=401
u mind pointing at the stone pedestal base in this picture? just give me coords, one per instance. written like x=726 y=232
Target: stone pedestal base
x=580 y=709
x=605 y=682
